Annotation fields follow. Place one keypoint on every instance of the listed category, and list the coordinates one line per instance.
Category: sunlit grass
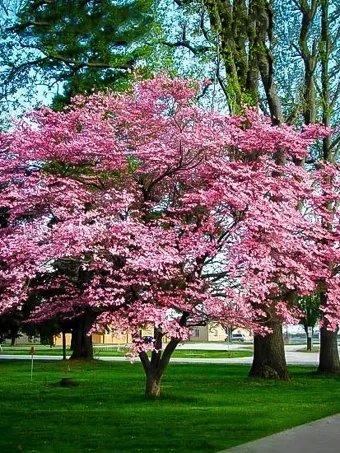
(204, 408)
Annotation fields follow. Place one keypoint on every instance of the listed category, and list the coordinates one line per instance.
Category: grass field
(204, 408)
(112, 352)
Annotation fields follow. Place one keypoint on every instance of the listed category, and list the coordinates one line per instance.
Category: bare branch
(187, 45)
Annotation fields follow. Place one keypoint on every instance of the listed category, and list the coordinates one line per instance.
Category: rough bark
(269, 360)
(82, 343)
(265, 61)
(325, 54)
(309, 57)
(329, 355)
(235, 26)
(153, 385)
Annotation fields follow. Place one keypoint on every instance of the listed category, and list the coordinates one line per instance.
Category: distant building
(215, 332)
(106, 338)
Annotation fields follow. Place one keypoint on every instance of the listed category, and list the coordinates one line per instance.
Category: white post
(32, 351)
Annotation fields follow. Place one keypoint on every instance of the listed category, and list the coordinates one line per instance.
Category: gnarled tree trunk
(269, 360)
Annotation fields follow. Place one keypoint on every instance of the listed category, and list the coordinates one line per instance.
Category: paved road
(293, 356)
(292, 360)
(322, 436)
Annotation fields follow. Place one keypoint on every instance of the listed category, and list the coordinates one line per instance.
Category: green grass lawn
(204, 408)
(110, 352)
(211, 354)
(187, 353)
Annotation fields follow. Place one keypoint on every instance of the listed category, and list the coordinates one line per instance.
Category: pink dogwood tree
(144, 209)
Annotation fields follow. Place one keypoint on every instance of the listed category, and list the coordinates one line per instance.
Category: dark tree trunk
(73, 338)
(64, 345)
(153, 384)
(309, 344)
(155, 366)
(82, 343)
(269, 355)
(309, 335)
(14, 334)
(329, 355)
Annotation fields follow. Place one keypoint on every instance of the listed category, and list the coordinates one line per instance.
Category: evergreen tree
(84, 45)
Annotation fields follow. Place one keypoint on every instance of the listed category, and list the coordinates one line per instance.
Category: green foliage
(133, 164)
(310, 306)
(84, 45)
(79, 170)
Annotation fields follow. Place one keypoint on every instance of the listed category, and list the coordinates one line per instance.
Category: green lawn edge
(184, 353)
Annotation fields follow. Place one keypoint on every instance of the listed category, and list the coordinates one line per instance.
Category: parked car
(147, 339)
(240, 337)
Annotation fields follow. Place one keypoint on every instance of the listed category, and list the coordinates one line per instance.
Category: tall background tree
(78, 46)
(283, 55)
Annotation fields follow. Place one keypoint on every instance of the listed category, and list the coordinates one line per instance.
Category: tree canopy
(143, 208)
(82, 45)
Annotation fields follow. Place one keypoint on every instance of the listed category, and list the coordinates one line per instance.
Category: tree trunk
(269, 355)
(82, 343)
(329, 355)
(153, 385)
(64, 345)
(155, 366)
(309, 335)
(73, 339)
(14, 334)
(309, 343)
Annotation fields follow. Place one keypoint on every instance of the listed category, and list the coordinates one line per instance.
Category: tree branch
(187, 45)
